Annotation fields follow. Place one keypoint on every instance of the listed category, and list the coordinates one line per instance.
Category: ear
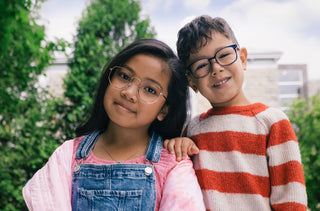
(243, 58)
(192, 85)
(163, 113)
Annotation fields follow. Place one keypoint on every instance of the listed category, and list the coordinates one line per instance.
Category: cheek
(106, 98)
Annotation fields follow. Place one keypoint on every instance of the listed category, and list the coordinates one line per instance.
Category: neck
(119, 144)
(124, 136)
(238, 100)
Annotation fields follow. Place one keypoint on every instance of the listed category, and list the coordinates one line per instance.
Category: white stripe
(291, 192)
(232, 162)
(259, 124)
(283, 153)
(271, 116)
(215, 200)
(231, 122)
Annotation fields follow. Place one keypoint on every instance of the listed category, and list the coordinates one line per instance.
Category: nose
(130, 91)
(215, 67)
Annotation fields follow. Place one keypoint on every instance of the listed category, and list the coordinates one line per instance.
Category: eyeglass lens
(121, 77)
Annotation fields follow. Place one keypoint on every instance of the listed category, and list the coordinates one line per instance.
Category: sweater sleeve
(288, 191)
(50, 187)
(181, 190)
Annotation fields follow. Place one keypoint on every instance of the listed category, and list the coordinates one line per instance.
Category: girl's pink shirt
(50, 188)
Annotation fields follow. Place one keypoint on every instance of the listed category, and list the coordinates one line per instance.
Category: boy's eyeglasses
(148, 91)
(224, 57)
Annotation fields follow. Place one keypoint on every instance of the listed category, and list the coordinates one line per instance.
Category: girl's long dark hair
(177, 99)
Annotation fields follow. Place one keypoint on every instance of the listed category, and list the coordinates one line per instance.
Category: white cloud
(196, 4)
(149, 6)
(281, 26)
(60, 19)
(187, 20)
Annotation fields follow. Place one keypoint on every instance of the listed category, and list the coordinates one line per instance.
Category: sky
(291, 27)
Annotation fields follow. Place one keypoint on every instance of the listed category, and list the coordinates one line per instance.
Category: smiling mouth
(221, 82)
(125, 108)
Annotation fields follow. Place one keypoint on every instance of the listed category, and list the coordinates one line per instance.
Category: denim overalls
(119, 186)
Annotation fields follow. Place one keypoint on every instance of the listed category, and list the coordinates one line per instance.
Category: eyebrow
(202, 57)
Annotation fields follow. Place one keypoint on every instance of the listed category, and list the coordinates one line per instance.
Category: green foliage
(31, 123)
(27, 130)
(105, 28)
(306, 118)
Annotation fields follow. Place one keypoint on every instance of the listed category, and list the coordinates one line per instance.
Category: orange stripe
(233, 182)
(281, 132)
(231, 141)
(289, 206)
(288, 172)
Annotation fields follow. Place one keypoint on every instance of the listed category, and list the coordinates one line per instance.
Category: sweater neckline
(251, 108)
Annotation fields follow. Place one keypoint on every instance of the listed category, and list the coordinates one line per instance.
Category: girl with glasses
(117, 161)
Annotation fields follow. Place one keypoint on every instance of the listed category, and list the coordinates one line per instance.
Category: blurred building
(293, 83)
(53, 77)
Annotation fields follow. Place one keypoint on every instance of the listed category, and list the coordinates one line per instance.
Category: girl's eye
(150, 90)
(124, 76)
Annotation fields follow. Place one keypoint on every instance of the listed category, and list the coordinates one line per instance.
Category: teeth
(222, 82)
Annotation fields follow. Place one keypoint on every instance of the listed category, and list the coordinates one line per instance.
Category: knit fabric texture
(249, 159)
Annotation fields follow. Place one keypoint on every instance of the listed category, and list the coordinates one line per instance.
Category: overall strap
(87, 144)
(153, 153)
(154, 150)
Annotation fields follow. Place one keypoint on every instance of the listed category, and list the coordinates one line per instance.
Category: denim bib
(119, 186)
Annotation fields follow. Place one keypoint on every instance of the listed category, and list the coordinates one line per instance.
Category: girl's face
(223, 85)
(124, 106)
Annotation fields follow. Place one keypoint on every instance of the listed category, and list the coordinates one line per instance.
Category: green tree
(105, 28)
(25, 110)
(305, 116)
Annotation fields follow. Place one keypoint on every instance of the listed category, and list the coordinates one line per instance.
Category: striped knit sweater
(249, 159)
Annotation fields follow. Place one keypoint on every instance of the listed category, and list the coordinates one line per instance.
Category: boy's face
(223, 85)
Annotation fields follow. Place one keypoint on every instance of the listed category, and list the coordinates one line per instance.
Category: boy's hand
(181, 146)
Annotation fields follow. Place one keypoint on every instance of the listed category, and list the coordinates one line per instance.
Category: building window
(291, 84)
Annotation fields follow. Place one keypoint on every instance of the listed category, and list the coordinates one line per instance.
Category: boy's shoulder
(271, 114)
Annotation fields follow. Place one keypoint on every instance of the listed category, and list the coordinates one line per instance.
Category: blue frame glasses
(224, 57)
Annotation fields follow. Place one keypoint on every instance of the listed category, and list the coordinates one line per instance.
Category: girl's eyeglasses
(148, 91)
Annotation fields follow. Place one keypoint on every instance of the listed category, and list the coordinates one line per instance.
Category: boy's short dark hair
(195, 35)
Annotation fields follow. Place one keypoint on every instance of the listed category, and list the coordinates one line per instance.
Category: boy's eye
(222, 56)
(200, 65)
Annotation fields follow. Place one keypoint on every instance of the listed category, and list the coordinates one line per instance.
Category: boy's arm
(288, 191)
(181, 146)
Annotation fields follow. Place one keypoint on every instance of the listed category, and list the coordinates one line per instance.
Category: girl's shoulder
(66, 148)
(167, 158)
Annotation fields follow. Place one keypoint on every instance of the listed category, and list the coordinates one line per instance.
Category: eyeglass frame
(130, 83)
(234, 46)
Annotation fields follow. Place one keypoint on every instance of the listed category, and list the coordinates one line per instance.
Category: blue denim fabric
(118, 186)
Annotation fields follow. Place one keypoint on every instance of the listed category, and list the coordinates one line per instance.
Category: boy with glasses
(248, 156)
